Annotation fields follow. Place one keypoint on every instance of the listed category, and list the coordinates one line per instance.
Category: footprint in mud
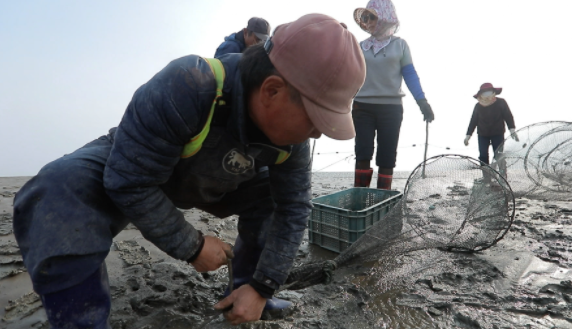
(132, 253)
(11, 262)
(5, 224)
(22, 307)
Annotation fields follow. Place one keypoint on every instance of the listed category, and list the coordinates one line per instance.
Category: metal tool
(229, 257)
(215, 313)
(426, 144)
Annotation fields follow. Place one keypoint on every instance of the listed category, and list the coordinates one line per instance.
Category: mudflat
(524, 281)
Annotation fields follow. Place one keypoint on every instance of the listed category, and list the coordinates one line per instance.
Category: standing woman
(378, 104)
(490, 115)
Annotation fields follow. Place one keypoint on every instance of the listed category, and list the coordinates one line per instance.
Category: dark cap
(260, 27)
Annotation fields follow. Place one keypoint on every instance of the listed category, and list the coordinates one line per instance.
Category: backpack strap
(195, 144)
(282, 156)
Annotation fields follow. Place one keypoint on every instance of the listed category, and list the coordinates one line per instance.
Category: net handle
(426, 144)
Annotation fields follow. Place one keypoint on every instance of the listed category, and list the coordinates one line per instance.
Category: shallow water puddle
(540, 273)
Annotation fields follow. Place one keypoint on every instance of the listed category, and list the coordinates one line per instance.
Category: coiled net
(539, 165)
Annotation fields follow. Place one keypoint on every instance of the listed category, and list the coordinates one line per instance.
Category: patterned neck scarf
(387, 25)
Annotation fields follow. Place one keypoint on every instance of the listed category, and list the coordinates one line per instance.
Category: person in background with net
(378, 105)
(489, 117)
(255, 32)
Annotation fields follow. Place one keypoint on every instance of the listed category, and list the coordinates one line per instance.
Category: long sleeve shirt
(385, 73)
(490, 120)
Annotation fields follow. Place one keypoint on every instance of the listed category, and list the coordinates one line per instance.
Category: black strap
(222, 112)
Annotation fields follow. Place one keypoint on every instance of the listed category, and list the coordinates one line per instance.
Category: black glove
(426, 110)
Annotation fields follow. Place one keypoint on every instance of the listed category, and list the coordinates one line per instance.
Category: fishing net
(449, 202)
(539, 164)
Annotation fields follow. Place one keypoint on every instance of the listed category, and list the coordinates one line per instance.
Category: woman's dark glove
(426, 110)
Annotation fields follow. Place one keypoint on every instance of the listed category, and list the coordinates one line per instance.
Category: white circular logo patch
(237, 163)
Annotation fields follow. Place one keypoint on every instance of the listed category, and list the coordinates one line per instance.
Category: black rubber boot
(83, 306)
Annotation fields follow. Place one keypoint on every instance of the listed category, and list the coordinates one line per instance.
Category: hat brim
(261, 36)
(333, 124)
(496, 90)
(357, 17)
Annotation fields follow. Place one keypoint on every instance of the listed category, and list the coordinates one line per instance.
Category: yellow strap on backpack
(195, 144)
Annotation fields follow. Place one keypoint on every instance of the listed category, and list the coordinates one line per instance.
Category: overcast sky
(68, 69)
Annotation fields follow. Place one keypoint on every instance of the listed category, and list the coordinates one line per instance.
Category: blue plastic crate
(340, 218)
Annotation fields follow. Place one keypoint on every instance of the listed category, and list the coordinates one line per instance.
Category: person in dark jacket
(256, 31)
(177, 148)
(489, 117)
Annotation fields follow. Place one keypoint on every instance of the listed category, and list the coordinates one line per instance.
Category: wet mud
(525, 281)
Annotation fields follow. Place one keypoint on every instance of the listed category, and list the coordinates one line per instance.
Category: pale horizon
(68, 69)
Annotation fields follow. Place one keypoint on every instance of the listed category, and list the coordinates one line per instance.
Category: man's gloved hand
(212, 256)
(513, 135)
(467, 140)
(426, 110)
(247, 305)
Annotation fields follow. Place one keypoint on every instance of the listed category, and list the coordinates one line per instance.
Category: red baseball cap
(319, 57)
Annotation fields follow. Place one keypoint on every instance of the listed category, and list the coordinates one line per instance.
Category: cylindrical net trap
(539, 165)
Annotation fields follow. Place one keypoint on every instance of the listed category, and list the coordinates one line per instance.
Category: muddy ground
(525, 281)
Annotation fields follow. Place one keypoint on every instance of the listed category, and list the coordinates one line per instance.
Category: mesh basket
(339, 219)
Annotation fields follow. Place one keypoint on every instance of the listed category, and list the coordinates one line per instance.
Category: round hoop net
(453, 202)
